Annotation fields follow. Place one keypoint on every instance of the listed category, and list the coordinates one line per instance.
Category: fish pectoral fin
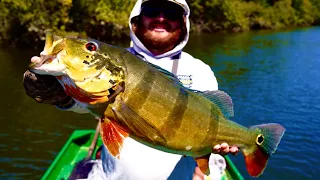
(221, 99)
(137, 125)
(112, 136)
(203, 163)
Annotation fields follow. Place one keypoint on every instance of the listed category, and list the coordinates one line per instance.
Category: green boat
(78, 146)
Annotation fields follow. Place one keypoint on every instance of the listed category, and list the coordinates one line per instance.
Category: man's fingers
(234, 150)
(224, 148)
(216, 148)
(35, 59)
(198, 175)
(221, 149)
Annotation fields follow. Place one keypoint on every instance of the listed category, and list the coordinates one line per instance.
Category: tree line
(24, 22)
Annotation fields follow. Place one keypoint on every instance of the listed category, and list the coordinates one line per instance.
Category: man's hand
(222, 149)
(45, 89)
(198, 175)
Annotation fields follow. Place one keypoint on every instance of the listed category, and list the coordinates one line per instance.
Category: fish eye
(91, 46)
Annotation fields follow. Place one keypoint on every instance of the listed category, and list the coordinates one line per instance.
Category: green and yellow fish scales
(143, 101)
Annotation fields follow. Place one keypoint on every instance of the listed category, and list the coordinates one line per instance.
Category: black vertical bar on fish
(175, 117)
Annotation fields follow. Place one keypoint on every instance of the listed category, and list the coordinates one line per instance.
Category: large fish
(149, 104)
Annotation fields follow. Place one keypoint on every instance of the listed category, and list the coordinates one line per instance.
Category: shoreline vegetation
(24, 22)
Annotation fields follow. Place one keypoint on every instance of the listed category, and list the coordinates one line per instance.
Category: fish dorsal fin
(112, 136)
(139, 127)
(221, 99)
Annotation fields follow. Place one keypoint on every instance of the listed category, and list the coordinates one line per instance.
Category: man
(159, 32)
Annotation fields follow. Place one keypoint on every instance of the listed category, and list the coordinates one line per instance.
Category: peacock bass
(138, 99)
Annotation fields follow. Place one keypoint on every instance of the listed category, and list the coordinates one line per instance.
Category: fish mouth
(44, 59)
(49, 61)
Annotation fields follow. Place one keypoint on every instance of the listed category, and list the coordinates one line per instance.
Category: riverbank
(23, 22)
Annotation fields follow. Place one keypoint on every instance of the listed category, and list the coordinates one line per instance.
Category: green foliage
(217, 15)
(28, 19)
(242, 15)
(102, 19)
(25, 21)
(316, 11)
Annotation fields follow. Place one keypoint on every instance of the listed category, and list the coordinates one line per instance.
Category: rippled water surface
(271, 77)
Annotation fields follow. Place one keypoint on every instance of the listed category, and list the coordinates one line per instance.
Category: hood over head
(137, 44)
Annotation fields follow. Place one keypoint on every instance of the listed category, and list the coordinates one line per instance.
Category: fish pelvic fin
(267, 141)
(112, 136)
(203, 163)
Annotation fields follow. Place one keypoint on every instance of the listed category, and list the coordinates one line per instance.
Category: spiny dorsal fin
(221, 99)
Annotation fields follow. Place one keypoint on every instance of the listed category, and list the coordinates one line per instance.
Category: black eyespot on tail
(260, 139)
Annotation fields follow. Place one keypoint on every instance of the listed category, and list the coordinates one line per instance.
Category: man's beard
(151, 41)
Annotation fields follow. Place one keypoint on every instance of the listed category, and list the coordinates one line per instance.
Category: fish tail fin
(268, 138)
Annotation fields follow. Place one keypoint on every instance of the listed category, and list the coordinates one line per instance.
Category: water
(271, 77)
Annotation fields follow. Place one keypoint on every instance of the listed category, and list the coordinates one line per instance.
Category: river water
(271, 77)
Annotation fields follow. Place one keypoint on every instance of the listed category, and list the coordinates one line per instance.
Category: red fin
(112, 136)
(83, 97)
(256, 161)
(203, 164)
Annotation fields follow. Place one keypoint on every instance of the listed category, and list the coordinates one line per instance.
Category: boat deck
(76, 149)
